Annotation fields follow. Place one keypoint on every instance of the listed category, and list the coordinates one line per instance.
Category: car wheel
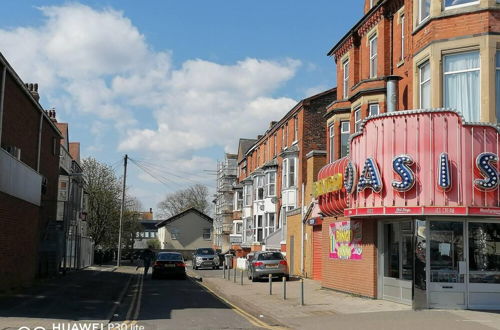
(194, 267)
(287, 277)
(253, 278)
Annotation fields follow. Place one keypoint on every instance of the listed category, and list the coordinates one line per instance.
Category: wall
(190, 236)
(294, 224)
(352, 276)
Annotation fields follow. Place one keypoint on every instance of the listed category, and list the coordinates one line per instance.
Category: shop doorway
(396, 261)
(464, 258)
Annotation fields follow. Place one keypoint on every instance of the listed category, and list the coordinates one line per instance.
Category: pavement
(327, 309)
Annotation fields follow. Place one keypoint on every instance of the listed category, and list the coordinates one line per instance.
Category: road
(178, 304)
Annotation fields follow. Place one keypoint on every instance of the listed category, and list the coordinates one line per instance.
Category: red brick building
(29, 169)
(440, 57)
(272, 173)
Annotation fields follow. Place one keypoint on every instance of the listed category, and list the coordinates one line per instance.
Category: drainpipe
(392, 92)
(39, 142)
(2, 94)
(302, 233)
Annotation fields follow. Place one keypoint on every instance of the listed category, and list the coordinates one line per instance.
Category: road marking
(252, 319)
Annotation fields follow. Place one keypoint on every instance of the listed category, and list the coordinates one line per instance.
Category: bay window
(270, 224)
(331, 138)
(238, 200)
(258, 228)
(425, 85)
(357, 119)
(373, 109)
(461, 84)
(259, 187)
(271, 183)
(247, 195)
(289, 173)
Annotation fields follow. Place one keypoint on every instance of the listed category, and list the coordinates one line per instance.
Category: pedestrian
(147, 257)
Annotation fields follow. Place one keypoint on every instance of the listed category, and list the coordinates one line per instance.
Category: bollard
(224, 269)
(270, 284)
(228, 273)
(241, 278)
(234, 275)
(302, 292)
(284, 288)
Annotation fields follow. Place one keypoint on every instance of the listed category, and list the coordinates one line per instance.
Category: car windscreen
(169, 257)
(205, 251)
(270, 256)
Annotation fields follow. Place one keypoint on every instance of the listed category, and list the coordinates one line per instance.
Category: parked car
(205, 257)
(265, 263)
(169, 264)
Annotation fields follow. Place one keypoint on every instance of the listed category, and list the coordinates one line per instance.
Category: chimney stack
(392, 92)
(271, 124)
(52, 114)
(150, 210)
(33, 89)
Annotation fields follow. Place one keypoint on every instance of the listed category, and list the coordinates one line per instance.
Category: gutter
(2, 98)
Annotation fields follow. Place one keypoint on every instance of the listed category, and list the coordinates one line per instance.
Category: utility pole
(125, 159)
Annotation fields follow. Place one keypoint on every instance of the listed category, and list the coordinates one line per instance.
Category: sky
(172, 84)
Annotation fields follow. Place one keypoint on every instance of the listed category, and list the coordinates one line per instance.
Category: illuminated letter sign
(484, 164)
(401, 165)
(350, 178)
(444, 177)
(370, 177)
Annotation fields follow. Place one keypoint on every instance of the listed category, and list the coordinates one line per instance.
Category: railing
(19, 180)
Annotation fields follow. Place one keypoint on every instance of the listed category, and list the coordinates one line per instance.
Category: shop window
(448, 4)
(425, 85)
(484, 252)
(446, 251)
(373, 57)
(271, 183)
(331, 142)
(498, 85)
(373, 109)
(357, 119)
(346, 79)
(424, 10)
(344, 138)
(461, 84)
(398, 250)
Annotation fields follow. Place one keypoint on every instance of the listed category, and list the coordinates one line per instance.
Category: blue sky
(173, 84)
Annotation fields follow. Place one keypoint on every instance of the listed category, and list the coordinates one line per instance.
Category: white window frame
(460, 5)
(373, 106)
(275, 144)
(284, 173)
(422, 83)
(283, 144)
(402, 18)
(238, 227)
(238, 202)
(373, 56)
(258, 228)
(345, 67)
(420, 7)
(345, 128)
(357, 119)
(331, 141)
(270, 228)
(247, 195)
(259, 187)
(286, 136)
(288, 175)
(270, 184)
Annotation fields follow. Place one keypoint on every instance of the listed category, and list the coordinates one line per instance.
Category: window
(331, 141)
(174, 233)
(425, 85)
(344, 137)
(258, 229)
(373, 57)
(286, 135)
(289, 172)
(270, 224)
(271, 183)
(402, 37)
(248, 194)
(373, 109)
(283, 143)
(424, 10)
(238, 200)
(461, 84)
(275, 144)
(238, 227)
(295, 128)
(458, 3)
(259, 187)
(357, 119)
(207, 234)
(498, 86)
(346, 79)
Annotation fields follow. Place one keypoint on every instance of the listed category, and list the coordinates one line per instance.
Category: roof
(63, 127)
(149, 224)
(183, 213)
(244, 146)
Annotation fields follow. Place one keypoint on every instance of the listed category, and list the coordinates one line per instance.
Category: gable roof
(179, 215)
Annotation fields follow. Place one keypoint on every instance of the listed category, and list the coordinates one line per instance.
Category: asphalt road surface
(177, 304)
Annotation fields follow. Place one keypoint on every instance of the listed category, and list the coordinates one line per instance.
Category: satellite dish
(261, 207)
(274, 200)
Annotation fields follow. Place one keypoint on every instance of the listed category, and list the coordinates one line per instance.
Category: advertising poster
(346, 240)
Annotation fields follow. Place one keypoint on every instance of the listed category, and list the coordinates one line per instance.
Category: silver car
(264, 263)
(205, 257)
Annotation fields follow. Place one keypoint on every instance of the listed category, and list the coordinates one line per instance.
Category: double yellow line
(135, 306)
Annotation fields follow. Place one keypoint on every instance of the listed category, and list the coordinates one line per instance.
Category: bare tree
(195, 196)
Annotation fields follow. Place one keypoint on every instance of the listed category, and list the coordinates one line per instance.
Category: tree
(154, 243)
(195, 196)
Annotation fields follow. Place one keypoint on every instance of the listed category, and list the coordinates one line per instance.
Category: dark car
(169, 264)
(205, 257)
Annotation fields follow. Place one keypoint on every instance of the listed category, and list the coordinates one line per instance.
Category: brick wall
(352, 276)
